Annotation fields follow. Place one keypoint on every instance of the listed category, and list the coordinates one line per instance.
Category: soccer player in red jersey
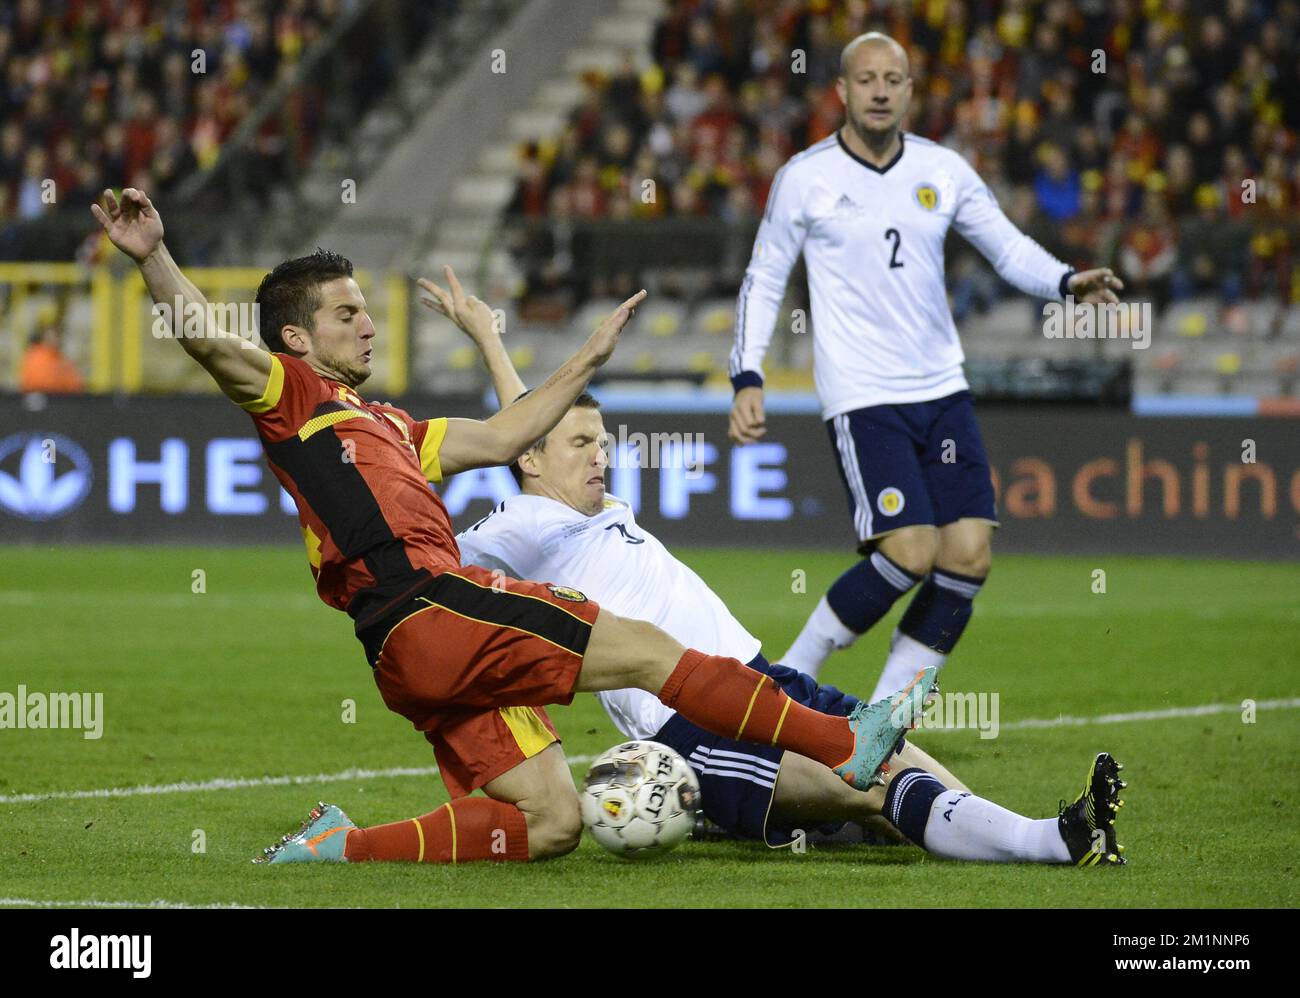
(468, 657)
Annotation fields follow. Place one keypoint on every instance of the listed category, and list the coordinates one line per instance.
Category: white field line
(157, 904)
(23, 597)
(348, 775)
(1281, 612)
(222, 783)
(1066, 721)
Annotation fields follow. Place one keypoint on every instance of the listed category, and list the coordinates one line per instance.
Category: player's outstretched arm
(472, 443)
(1019, 260)
(133, 225)
(485, 335)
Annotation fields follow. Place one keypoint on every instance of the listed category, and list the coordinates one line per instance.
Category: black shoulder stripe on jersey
(339, 494)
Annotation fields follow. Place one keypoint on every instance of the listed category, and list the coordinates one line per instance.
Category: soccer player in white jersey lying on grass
(567, 529)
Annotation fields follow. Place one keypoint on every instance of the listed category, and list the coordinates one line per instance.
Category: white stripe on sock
(891, 573)
(897, 794)
(959, 586)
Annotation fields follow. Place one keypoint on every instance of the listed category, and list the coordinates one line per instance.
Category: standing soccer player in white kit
(869, 208)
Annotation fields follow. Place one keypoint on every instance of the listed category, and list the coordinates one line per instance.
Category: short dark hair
(290, 294)
(584, 401)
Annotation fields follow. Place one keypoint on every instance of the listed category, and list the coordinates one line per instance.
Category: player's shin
(906, 657)
(958, 825)
(854, 602)
(461, 831)
(929, 628)
(823, 633)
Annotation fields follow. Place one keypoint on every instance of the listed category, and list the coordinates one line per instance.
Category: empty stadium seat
(662, 318)
(1193, 318)
(714, 317)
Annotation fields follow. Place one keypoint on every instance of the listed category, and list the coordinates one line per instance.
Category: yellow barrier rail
(111, 314)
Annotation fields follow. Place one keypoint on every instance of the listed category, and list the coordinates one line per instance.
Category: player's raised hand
(472, 315)
(1096, 286)
(605, 338)
(133, 225)
(748, 423)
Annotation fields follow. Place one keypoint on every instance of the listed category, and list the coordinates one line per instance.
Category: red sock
(732, 700)
(458, 832)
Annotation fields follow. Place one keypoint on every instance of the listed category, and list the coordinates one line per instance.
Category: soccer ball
(639, 799)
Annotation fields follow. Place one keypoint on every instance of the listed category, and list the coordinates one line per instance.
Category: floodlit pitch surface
(224, 721)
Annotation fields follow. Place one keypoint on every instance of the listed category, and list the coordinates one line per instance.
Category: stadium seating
(711, 103)
(704, 99)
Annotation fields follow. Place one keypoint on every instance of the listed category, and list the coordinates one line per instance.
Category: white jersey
(872, 239)
(619, 565)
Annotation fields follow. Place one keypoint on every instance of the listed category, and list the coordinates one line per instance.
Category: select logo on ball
(890, 502)
(640, 799)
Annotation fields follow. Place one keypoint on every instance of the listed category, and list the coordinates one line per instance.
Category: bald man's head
(874, 38)
(875, 85)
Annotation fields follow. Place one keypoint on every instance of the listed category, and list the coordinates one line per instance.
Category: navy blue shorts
(918, 464)
(737, 779)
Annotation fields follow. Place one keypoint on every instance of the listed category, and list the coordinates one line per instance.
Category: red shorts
(472, 659)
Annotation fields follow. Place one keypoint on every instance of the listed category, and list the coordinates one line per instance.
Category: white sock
(963, 826)
(907, 657)
(822, 634)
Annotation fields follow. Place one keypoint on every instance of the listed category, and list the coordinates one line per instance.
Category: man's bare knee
(554, 828)
(966, 547)
(913, 549)
(972, 559)
(541, 787)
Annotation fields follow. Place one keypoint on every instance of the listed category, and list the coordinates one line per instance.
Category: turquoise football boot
(321, 838)
(879, 728)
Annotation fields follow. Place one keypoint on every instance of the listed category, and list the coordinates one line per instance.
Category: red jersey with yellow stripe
(359, 473)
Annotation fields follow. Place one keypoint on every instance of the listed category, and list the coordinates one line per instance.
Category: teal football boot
(321, 838)
(878, 730)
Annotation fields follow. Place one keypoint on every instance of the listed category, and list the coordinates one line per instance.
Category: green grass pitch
(247, 681)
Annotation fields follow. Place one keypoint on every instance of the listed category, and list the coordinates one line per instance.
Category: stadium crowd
(1158, 137)
(99, 93)
(144, 93)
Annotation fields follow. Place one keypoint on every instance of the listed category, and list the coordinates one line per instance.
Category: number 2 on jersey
(894, 261)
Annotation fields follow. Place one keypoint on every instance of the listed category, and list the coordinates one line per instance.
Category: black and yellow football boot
(1088, 825)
